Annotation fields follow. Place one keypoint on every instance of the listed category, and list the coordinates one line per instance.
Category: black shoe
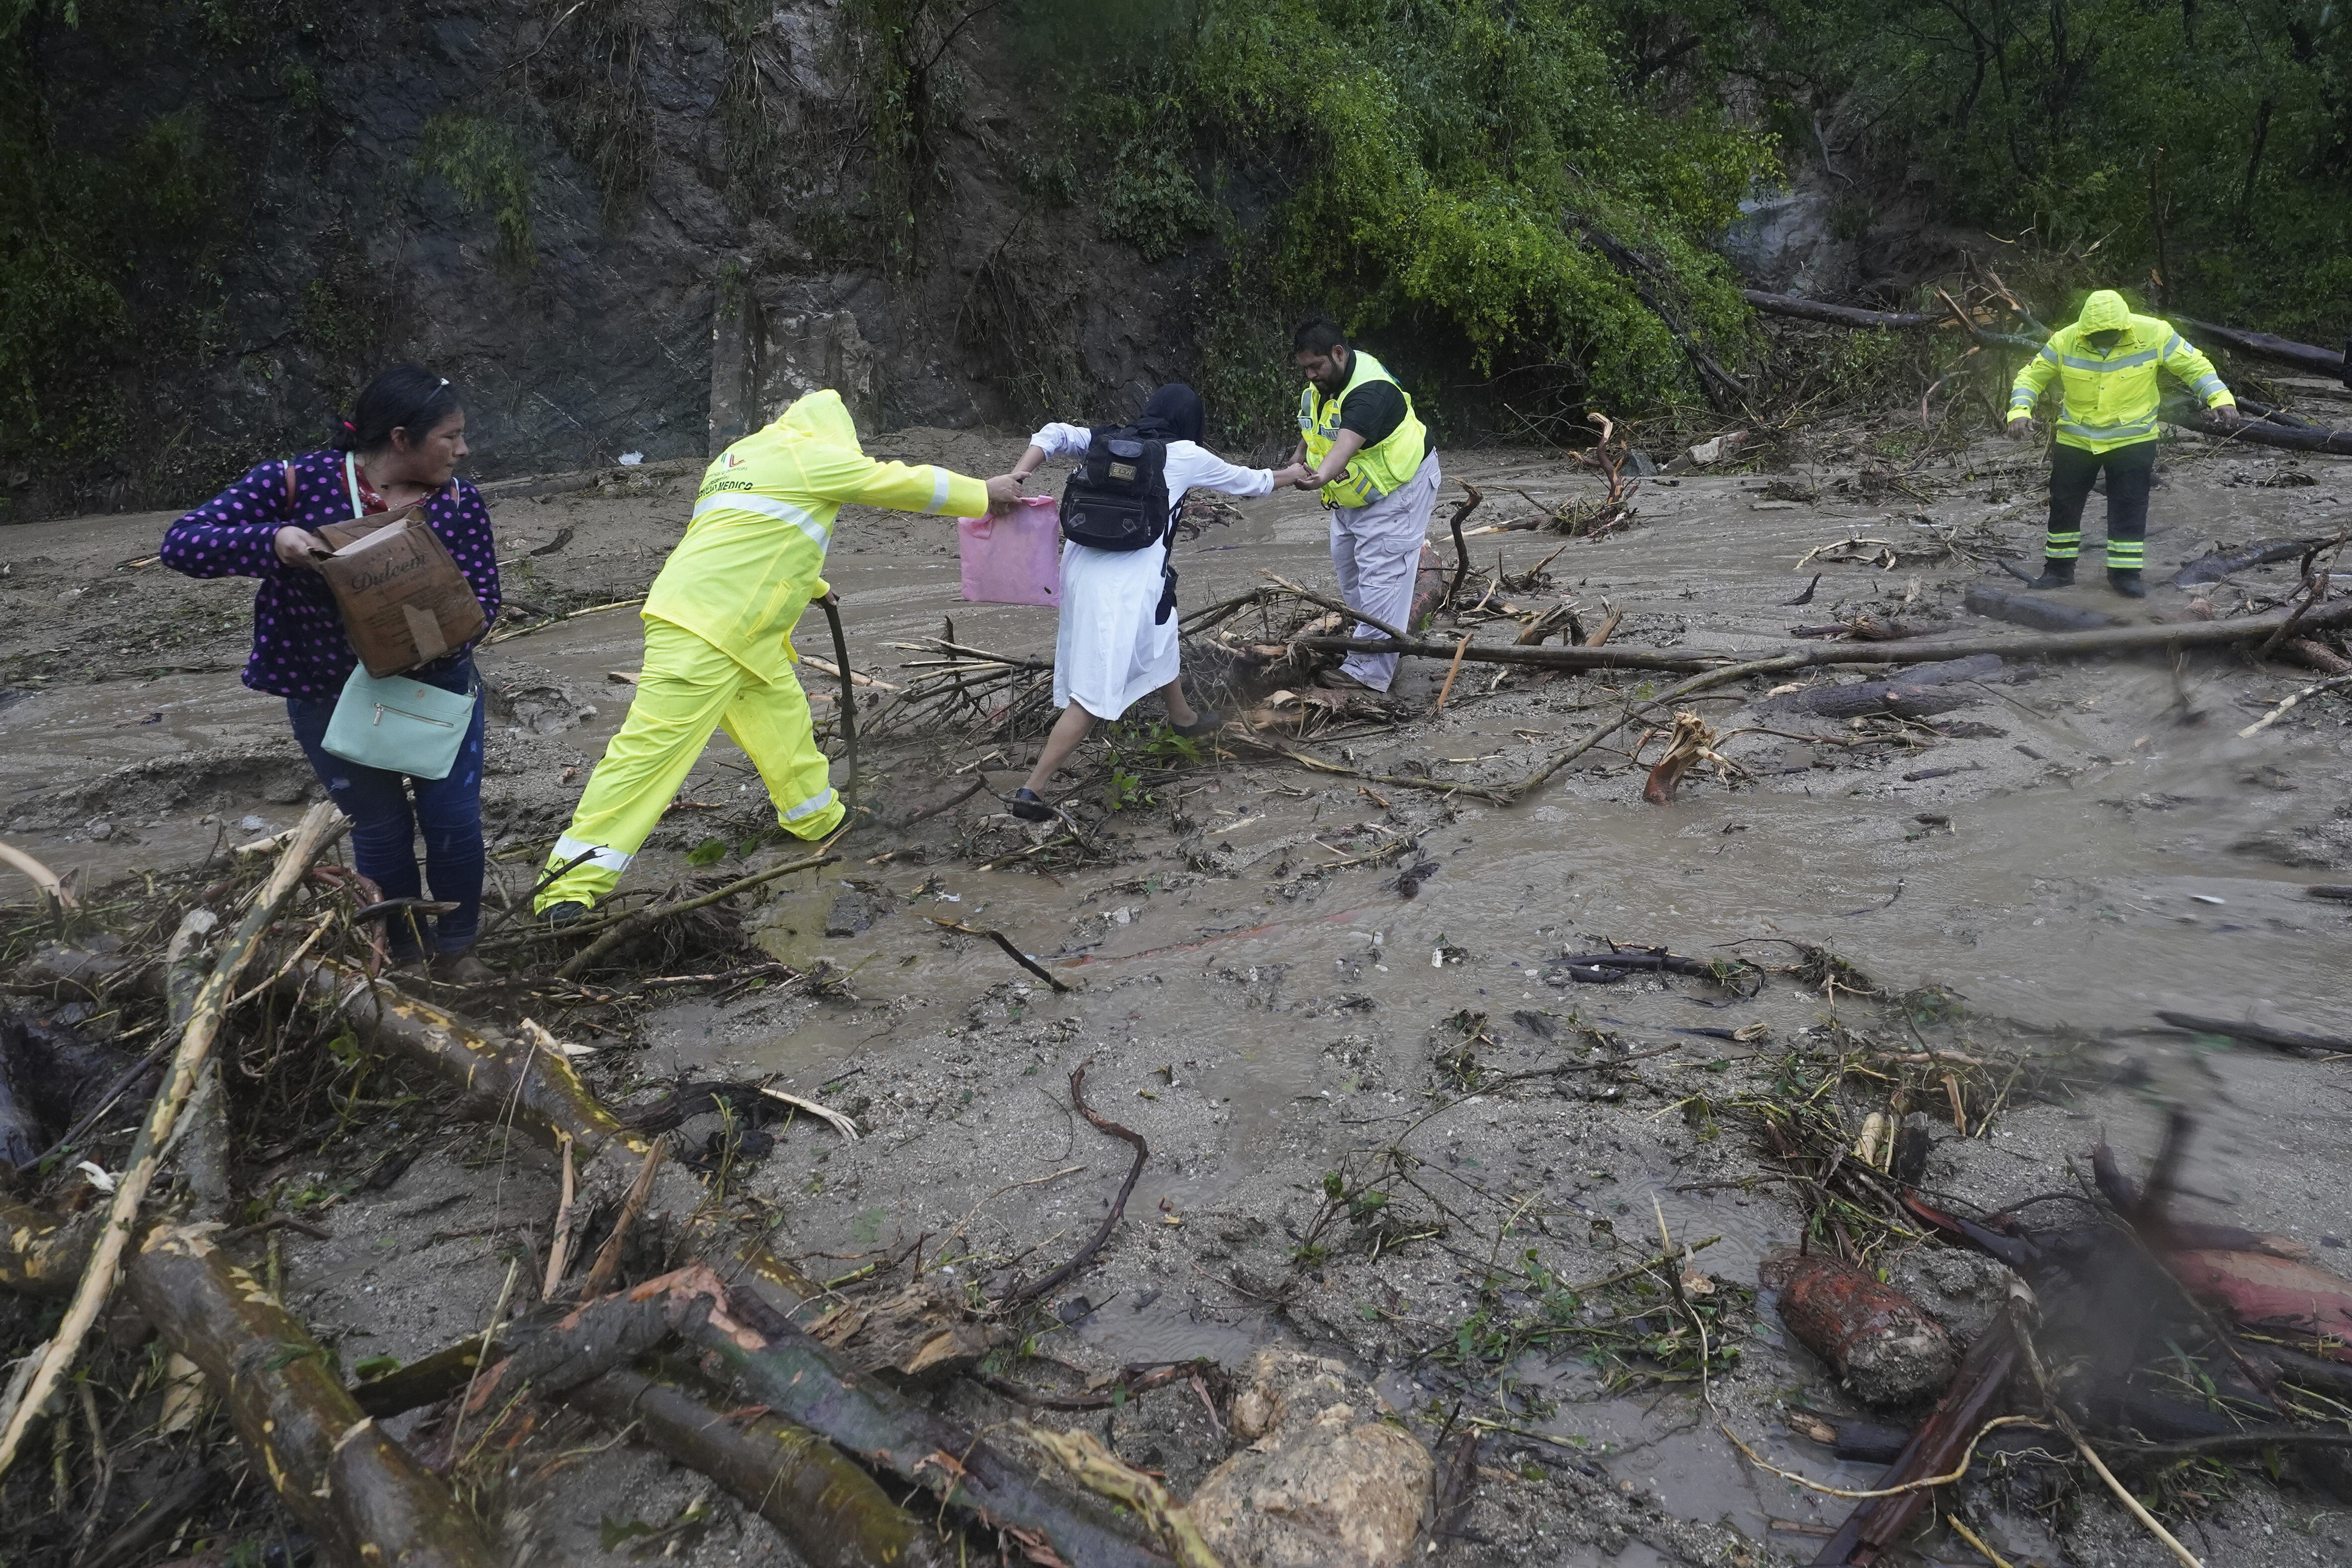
(1207, 721)
(2126, 581)
(2055, 574)
(1025, 805)
(559, 916)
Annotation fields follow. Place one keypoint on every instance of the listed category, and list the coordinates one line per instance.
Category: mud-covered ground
(1256, 993)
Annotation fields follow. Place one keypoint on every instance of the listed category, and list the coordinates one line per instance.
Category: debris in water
(1887, 1350)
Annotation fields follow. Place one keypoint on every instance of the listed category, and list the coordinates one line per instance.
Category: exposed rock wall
(619, 225)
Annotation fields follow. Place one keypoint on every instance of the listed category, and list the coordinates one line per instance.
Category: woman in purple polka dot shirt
(399, 449)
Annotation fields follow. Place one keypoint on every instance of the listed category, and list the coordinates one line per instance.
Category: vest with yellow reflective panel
(2110, 398)
(1377, 468)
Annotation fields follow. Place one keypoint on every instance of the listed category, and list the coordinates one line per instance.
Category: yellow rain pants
(688, 689)
(719, 633)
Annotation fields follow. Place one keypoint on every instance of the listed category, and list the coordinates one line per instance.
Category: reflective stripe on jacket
(754, 554)
(2109, 400)
(1376, 469)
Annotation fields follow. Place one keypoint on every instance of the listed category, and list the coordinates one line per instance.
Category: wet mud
(2090, 842)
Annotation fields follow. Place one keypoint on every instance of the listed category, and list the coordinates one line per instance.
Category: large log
(796, 1378)
(2125, 639)
(44, 1254)
(353, 1488)
(2032, 609)
(496, 1078)
(319, 827)
(2261, 433)
(2214, 568)
(2267, 346)
(1911, 695)
(536, 1089)
(832, 1512)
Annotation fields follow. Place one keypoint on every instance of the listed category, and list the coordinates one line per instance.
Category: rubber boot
(2125, 582)
(2055, 574)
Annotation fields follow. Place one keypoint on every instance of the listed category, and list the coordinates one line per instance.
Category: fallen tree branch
(2268, 346)
(831, 605)
(637, 920)
(2287, 704)
(779, 1365)
(831, 1512)
(1011, 950)
(1461, 546)
(2100, 640)
(319, 826)
(1053, 1281)
(2257, 1034)
(40, 875)
(353, 1488)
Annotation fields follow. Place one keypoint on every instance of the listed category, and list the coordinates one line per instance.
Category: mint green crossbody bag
(400, 724)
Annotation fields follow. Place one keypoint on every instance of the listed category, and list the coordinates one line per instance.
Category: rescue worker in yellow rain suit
(2106, 366)
(719, 630)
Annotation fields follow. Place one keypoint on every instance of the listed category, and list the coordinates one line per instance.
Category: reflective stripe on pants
(1376, 554)
(2131, 474)
(687, 690)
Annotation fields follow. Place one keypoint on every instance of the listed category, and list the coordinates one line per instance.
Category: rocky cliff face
(621, 225)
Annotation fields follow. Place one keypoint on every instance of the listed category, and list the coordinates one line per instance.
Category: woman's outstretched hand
(1003, 494)
(299, 547)
(1294, 477)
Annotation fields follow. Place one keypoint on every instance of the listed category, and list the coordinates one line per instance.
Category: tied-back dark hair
(405, 397)
(1317, 334)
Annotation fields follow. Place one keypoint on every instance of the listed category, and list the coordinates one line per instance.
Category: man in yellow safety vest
(718, 637)
(2105, 365)
(1371, 459)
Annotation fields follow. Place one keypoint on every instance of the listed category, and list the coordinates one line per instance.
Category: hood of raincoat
(2105, 311)
(822, 417)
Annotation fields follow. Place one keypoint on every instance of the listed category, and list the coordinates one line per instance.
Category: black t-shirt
(1373, 411)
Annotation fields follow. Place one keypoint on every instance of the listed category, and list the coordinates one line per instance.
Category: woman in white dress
(1117, 640)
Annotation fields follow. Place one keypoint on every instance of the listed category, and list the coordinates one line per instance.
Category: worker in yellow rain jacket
(719, 629)
(2106, 366)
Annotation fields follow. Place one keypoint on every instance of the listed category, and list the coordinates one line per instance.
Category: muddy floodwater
(1261, 1001)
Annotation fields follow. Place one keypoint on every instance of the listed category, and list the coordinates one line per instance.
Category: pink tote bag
(1015, 558)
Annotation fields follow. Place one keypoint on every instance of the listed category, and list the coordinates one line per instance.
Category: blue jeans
(384, 827)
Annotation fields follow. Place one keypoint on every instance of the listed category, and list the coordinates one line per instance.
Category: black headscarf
(1173, 413)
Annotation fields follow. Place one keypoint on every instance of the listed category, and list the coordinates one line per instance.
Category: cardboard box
(404, 602)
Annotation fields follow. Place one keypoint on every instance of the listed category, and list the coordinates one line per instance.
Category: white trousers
(1376, 552)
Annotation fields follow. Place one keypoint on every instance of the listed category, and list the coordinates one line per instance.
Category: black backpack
(1118, 499)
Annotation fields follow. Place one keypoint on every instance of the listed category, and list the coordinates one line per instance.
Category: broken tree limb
(319, 826)
(496, 1077)
(2268, 346)
(1053, 1281)
(1910, 695)
(832, 1512)
(536, 1090)
(1842, 315)
(1543, 771)
(2123, 639)
(44, 1254)
(2257, 1034)
(780, 1366)
(637, 920)
(2221, 563)
(353, 1488)
(2256, 433)
(1011, 950)
(40, 875)
(2031, 609)
(1874, 1529)
(1461, 546)
(1341, 606)
(831, 604)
